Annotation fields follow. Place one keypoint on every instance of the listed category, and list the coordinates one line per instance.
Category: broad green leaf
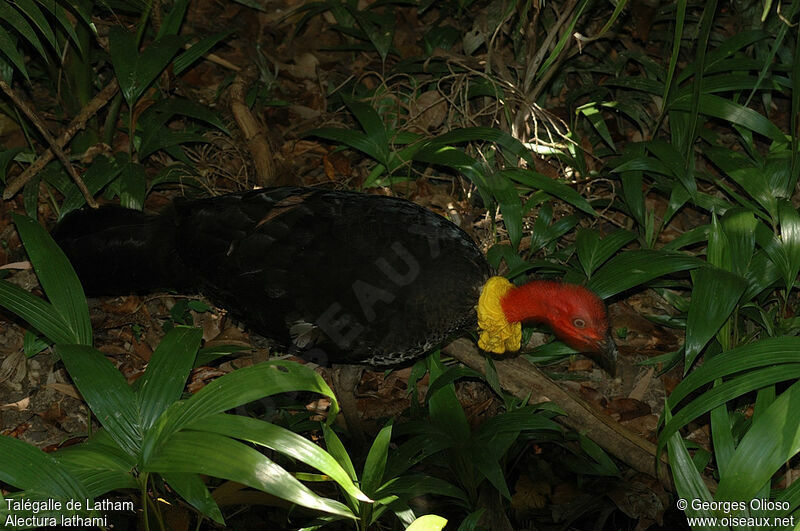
(191, 488)
(164, 110)
(282, 441)
(739, 225)
(794, 163)
(6, 157)
(470, 523)
(750, 177)
(337, 450)
(544, 233)
(603, 464)
(28, 468)
(774, 358)
(675, 164)
(722, 437)
(197, 50)
(688, 482)
(371, 122)
(354, 139)
(449, 376)
(124, 51)
(595, 117)
(171, 22)
(166, 139)
(106, 392)
(136, 71)
(677, 198)
(17, 21)
(413, 485)
(38, 313)
(132, 186)
(58, 279)
(516, 421)
(720, 57)
(537, 181)
(775, 249)
(208, 354)
(488, 463)
(154, 60)
(235, 389)
(632, 182)
(791, 494)
(87, 453)
(677, 39)
(415, 450)
(790, 239)
(688, 238)
(379, 28)
(646, 164)
(724, 109)
(101, 172)
(485, 134)
(510, 206)
(375, 465)
(593, 252)
(33, 344)
(517, 265)
(684, 137)
(452, 157)
(633, 268)
(8, 47)
(770, 351)
(429, 522)
(715, 294)
(32, 11)
(65, 20)
(165, 377)
(101, 468)
(444, 408)
(566, 35)
(190, 452)
(772, 441)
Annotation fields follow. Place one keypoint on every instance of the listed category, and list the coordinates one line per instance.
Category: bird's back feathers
(376, 279)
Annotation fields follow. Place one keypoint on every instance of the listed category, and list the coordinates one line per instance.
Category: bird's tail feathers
(118, 251)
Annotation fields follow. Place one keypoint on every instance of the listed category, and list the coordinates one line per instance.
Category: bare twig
(55, 148)
(536, 57)
(78, 123)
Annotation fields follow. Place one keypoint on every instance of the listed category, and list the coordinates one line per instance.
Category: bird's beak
(607, 354)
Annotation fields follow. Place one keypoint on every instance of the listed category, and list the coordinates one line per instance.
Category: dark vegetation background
(645, 149)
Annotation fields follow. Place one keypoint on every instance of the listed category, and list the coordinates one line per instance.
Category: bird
(352, 278)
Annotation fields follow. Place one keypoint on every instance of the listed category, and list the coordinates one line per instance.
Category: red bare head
(576, 315)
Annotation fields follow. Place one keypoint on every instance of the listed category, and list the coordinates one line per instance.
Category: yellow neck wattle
(497, 334)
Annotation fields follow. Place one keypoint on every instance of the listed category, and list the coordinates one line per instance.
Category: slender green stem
(140, 27)
(143, 482)
(110, 124)
(131, 131)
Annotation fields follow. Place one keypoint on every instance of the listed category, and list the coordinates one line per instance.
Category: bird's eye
(579, 323)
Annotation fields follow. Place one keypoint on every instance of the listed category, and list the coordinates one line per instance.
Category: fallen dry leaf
(639, 391)
(65, 389)
(20, 405)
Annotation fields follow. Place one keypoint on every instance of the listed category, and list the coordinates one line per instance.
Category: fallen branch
(522, 379)
(252, 130)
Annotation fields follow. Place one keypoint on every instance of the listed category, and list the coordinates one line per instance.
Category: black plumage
(360, 278)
